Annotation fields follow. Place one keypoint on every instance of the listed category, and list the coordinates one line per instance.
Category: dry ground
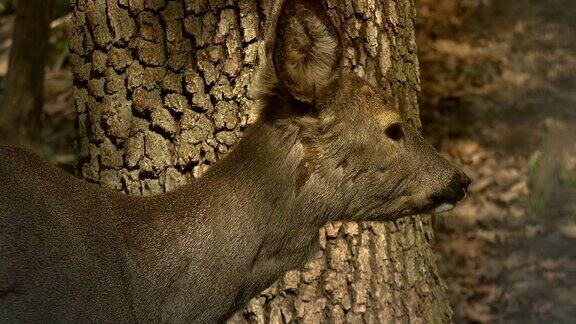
(499, 97)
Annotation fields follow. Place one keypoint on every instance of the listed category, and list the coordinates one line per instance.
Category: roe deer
(326, 147)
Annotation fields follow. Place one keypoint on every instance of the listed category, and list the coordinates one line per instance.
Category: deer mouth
(433, 207)
(442, 208)
(446, 201)
(437, 204)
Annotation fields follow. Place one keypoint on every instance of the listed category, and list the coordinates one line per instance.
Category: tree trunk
(21, 105)
(162, 92)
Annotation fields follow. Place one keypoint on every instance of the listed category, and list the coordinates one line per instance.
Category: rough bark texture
(162, 92)
(22, 103)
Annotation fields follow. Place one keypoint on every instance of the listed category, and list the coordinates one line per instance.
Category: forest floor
(498, 98)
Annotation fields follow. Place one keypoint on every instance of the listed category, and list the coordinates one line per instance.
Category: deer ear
(307, 52)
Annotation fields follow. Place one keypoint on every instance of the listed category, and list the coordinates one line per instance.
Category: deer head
(357, 147)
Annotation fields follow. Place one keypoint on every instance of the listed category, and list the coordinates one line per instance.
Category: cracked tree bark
(161, 89)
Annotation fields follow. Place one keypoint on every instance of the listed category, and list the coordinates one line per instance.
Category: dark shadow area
(54, 133)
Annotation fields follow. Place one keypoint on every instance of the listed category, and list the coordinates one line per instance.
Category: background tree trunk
(161, 89)
(21, 105)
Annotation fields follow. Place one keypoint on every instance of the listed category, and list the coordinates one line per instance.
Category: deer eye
(395, 132)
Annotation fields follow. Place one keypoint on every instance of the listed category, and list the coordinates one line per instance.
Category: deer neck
(248, 213)
(285, 204)
(267, 168)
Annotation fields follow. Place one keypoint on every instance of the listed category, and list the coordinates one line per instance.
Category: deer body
(326, 147)
(190, 255)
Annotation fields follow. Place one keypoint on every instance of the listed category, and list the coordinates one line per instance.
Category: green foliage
(61, 45)
(45, 151)
(549, 179)
(533, 163)
(61, 3)
(567, 178)
(6, 7)
(537, 202)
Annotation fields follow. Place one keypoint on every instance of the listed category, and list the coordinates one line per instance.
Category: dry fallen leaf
(568, 230)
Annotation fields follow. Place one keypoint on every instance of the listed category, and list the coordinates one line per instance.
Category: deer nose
(455, 191)
(459, 185)
(464, 182)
